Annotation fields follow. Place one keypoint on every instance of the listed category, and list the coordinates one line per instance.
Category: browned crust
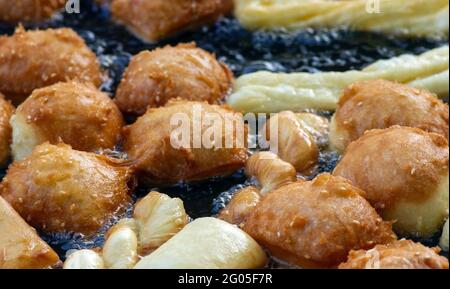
(397, 163)
(157, 19)
(57, 189)
(403, 254)
(184, 71)
(29, 10)
(6, 111)
(315, 224)
(34, 59)
(75, 113)
(148, 145)
(20, 246)
(379, 104)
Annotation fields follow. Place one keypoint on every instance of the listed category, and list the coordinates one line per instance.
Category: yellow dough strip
(274, 92)
(407, 17)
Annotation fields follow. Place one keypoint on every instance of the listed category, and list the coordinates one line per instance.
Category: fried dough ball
(270, 171)
(34, 59)
(57, 189)
(314, 224)
(20, 246)
(402, 254)
(294, 142)
(379, 104)
(404, 172)
(207, 243)
(183, 71)
(28, 10)
(241, 205)
(152, 20)
(74, 113)
(163, 147)
(6, 111)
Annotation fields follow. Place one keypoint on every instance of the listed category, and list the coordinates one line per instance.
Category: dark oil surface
(245, 52)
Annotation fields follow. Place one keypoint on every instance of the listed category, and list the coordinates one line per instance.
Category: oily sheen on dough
(404, 17)
(274, 92)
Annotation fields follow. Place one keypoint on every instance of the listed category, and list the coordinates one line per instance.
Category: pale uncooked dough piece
(274, 92)
(404, 17)
(120, 250)
(84, 259)
(207, 243)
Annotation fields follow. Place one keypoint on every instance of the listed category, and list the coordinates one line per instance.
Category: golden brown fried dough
(270, 171)
(294, 142)
(20, 246)
(34, 59)
(28, 10)
(403, 254)
(381, 104)
(241, 205)
(184, 71)
(153, 20)
(156, 151)
(74, 113)
(404, 172)
(57, 189)
(315, 224)
(6, 111)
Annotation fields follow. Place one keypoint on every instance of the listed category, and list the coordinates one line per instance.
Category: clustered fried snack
(152, 20)
(29, 10)
(381, 104)
(314, 224)
(62, 181)
(35, 59)
(156, 219)
(155, 77)
(402, 170)
(156, 158)
(402, 254)
(6, 111)
(74, 113)
(207, 243)
(58, 189)
(160, 222)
